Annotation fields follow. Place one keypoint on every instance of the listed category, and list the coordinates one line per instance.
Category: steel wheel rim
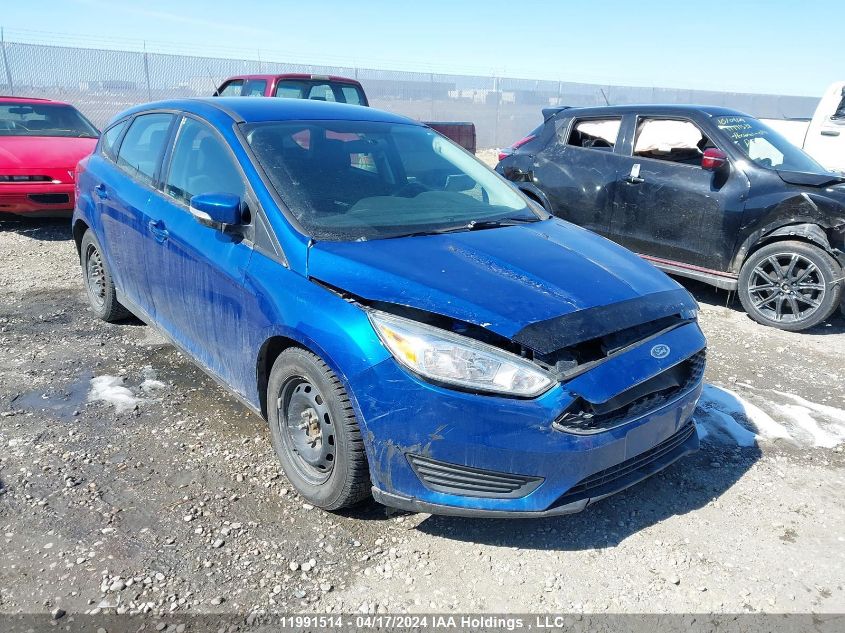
(786, 288)
(306, 428)
(95, 275)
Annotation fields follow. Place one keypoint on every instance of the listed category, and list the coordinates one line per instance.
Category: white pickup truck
(823, 136)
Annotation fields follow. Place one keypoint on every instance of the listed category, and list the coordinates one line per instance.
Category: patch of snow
(151, 384)
(726, 417)
(111, 390)
(715, 420)
(825, 410)
(802, 418)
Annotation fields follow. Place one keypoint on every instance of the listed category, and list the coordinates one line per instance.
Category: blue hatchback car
(410, 326)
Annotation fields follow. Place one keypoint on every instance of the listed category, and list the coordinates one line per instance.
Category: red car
(295, 86)
(41, 141)
(329, 88)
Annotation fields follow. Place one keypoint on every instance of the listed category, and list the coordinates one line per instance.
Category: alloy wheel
(786, 287)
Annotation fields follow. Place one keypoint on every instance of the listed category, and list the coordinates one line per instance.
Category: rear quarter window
(143, 145)
(108, 142)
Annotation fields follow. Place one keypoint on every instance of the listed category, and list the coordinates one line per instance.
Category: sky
(769, 46)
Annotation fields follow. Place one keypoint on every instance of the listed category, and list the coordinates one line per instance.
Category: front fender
(291, 306)
(534, 192)
(805, 216)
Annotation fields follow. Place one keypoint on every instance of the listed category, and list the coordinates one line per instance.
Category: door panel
(675, 210)
(197, 274)
(578, 171)
(122, 196)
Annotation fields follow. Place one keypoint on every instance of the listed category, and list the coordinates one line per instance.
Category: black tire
(790, 285)
(331, 473)
(98, 281)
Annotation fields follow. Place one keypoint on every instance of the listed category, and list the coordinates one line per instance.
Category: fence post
(431, 93)
(147, 74)
(497, 90)
(6, 63)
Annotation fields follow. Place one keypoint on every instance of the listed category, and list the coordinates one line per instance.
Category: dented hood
(534, 282)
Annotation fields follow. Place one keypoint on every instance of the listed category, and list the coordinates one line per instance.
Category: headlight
(450, 358)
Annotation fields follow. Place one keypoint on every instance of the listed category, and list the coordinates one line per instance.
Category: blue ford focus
(408, 324)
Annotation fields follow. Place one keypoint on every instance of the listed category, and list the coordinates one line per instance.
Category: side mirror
(216, 210)
(713, 159)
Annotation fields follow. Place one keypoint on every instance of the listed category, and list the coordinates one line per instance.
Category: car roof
(32, 100)
(647, 108)
(271, 77)
(259, 109)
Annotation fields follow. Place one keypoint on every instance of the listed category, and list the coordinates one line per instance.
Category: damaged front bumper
(437, 450)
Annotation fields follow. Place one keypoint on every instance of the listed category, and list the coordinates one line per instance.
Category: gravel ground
(173, 501)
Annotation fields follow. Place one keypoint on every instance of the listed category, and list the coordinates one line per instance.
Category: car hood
(544, 284)
(810, 179)
(43, 152)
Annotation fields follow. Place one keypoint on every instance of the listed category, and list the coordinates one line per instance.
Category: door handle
(157, 228)
(102, 193)
(830, 132)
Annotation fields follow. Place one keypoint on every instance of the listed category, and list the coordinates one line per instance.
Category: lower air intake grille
(453, 479)
(4, 178)
(590, 486)
(50, 198)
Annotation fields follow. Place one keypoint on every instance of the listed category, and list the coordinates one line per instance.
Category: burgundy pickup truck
(329, 88)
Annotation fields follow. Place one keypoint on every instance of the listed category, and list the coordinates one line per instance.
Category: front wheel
(790, 285)
(314, 431)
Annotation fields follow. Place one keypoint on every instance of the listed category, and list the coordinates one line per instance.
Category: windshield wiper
(477, 225)
(474, 225)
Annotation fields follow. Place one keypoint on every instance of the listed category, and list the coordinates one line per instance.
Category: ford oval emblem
(660, 351)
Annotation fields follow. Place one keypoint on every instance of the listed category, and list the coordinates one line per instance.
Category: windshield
(24, 119)
(764, 146)
(357, 180)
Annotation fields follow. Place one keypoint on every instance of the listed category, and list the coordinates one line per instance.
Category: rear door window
(143, 145)
(201, 163)
(672, 140)
(600, 134)
(231, 88)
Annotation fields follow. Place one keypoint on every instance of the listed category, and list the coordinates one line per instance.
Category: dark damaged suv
(702, 192)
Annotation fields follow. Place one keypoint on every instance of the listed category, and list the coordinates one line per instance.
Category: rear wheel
(98, 281)
(790, 285)
(315, 432)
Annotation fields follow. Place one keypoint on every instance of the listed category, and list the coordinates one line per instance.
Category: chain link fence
(102, 82)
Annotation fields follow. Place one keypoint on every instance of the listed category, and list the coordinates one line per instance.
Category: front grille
(471, 482)
(14, 179)
(49, 198)
(584, 417)
(592, 485)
